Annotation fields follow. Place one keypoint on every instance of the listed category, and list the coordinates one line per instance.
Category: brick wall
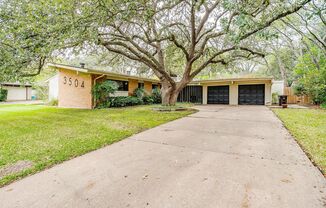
(74, 89)
(148, 87)
(132, 85)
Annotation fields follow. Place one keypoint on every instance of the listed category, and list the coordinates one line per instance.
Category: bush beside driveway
(42, 136)
(309, 128)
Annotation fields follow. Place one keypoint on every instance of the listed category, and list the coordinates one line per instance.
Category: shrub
(148, 99)
(3, 94)
(274, 97)
(102, 91)
(53, 102)
(323, 105)
(156, 95)
(123, 101)
(139, 92)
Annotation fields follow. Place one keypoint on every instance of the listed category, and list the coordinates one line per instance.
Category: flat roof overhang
(212, 81)
(99, 72)
(126, 76)
(15, 85)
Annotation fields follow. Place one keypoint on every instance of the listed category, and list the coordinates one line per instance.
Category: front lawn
(42, 136)
(309, 128)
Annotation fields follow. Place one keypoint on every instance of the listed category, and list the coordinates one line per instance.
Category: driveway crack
(223, 152)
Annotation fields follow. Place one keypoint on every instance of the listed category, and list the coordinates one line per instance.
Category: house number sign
(73, 82)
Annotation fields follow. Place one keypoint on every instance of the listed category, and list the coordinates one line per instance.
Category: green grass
(49, 135)
(309, 128)
(323, 105)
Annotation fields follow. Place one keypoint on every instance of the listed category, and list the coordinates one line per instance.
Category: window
(140, 85)
(154, 86)
(123, 85)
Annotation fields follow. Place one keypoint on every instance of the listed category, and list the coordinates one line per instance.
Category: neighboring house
(74, 86)
(18, 91)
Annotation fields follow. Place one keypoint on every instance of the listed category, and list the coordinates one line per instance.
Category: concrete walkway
(222, 156)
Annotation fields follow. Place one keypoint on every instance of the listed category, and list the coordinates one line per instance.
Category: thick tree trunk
(169, 98)
(169, 94)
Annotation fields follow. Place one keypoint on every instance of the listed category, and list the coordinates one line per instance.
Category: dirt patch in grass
(15, 168)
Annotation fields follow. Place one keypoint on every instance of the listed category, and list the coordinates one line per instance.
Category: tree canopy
(162, 35)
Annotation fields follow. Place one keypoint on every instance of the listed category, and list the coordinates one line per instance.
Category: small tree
(102, 92)
(311, 73)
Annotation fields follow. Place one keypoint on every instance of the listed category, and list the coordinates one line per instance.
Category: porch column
(233, 93)
(204, 94)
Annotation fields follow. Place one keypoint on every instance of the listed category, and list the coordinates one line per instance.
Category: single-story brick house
(75, 84)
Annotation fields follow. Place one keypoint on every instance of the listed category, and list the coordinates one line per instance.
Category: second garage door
(218, 95)
(252, 94)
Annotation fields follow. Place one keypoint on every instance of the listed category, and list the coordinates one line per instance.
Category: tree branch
(277, 17)
(39, 67)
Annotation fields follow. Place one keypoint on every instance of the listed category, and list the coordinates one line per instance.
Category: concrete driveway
(222, 156)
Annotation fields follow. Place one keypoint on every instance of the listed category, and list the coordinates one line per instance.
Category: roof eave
(92, 71)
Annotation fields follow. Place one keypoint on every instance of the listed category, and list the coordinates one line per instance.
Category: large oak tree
(204, 32)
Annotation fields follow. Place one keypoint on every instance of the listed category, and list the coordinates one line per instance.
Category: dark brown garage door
(218, 95)
(252, 94)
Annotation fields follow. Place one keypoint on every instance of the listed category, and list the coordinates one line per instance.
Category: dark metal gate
(192, 94)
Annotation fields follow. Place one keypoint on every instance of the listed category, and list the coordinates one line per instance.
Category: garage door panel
(252, 94)
(218, 95)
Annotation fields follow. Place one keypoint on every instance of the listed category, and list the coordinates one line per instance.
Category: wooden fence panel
(294, 99)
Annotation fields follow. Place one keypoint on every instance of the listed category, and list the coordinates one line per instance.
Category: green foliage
(53, 102)
(123, 101)
(139, 92)
(299, 89)
(3, 94)
(154, 98)
(311, 73)
(274, 97)
(308, 126)
(148, 99)
(323, 105)
(139, 98)
(32, 32)
(156, 94)
(102, 90)
(282, 57)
